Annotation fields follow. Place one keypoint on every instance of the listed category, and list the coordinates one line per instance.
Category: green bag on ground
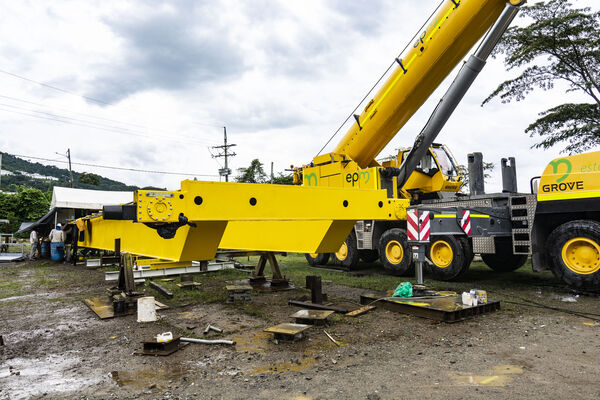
(403, 290)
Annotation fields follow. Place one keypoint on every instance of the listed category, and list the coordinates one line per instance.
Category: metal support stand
(419, 258)
(258, 276)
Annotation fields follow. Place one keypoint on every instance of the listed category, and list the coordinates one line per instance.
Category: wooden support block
(360, 311)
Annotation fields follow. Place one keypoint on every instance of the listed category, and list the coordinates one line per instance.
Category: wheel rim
(313, 255)
(441, 254)
(342, 253)
(394, 252)
(581, 255)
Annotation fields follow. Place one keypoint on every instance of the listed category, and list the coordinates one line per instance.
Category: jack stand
(258, 279)
(419, 258)
(124, 297)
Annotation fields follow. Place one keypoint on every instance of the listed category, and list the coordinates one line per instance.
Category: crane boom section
(446, 40)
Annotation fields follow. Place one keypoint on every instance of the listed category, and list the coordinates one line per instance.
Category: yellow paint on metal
(394, 252)
(444, 215)
(581, 255)
(570, 178)
(242, 217)
(342, 253)
(446, 40)
(441, 254)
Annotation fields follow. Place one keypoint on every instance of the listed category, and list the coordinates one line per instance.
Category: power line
(99, 118)
(111, 167)
(225, 171)
(87, 124)
(104, 103)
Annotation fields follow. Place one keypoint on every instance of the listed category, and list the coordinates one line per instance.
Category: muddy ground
(55, 347)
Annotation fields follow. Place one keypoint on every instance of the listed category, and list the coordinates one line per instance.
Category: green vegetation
(17, 166)
(255, 173)
(88, 178)
(561, 44)
(25, 205)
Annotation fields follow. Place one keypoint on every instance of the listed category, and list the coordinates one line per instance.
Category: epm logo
(561, 186)
(363, 176)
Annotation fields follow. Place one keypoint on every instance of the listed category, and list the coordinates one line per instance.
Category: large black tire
(317, 259)
(450, 257)
(394, 252)
(347, 255)
(573, 250)
(468, 248)
(504, 260)
(368, 256)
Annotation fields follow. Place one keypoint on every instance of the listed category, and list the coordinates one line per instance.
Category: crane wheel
(450, 257)
(368, 256)
(394, 252)
(573, 250)
(315, 259)
(504, 260)
(347, 256)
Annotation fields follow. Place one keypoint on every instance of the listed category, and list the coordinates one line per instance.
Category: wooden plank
(161, 289)
(317, 306)
(360, 311)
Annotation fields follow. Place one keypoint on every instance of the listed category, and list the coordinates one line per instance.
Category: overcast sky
(150, 84)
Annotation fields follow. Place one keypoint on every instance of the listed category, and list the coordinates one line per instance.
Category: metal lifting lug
(168, 230)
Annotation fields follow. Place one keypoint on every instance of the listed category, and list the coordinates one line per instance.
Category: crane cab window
(444, 161)
(427, 165)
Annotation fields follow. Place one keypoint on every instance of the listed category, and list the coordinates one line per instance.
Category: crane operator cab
(436, 172)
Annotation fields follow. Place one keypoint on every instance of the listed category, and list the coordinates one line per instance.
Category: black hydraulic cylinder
(120, 212)
(476, 180)
(509, 175)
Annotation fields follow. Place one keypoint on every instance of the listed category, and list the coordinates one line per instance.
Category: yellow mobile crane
(426, 169)
(340, 188)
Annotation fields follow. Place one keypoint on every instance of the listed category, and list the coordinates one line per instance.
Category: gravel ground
(55, 348)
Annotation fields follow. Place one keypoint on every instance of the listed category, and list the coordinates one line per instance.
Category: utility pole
(271, 172)
(226, 171)
(0, 172)
(68, 155)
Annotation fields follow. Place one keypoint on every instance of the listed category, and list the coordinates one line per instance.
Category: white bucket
(146, 309)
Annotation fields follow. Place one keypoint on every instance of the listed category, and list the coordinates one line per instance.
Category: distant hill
(18, 172)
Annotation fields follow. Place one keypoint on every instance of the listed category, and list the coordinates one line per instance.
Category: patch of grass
(10, 289)
(211, 289)
(255, 311)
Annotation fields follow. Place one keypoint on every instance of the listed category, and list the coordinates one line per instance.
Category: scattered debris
(317, 306)
(152, 347)
(446, 309)
(205, 341)
(161, 289)
(312, 317)
(209, 328)
(569, 299)
(313, 283)
(360, 311)
(1, 341)
(238, 293)
(332, 339)
(146, 310)
(288, 332)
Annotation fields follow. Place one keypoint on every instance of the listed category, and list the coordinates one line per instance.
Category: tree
(25, 205)
(253, 174)
(89, 178)
(283, 179)
(562, 44)
(488, 167)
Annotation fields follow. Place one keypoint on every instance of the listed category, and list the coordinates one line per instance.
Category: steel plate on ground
(446, 309)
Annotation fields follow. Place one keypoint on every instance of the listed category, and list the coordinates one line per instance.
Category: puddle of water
(506, 369)
(480, 380)
(281, 366)
(145, 377)
(254, 342)
(53, 374)
(498, 375)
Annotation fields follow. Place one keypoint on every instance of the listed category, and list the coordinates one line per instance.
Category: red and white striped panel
(412, 225)
(425, 227)
(465, 222)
